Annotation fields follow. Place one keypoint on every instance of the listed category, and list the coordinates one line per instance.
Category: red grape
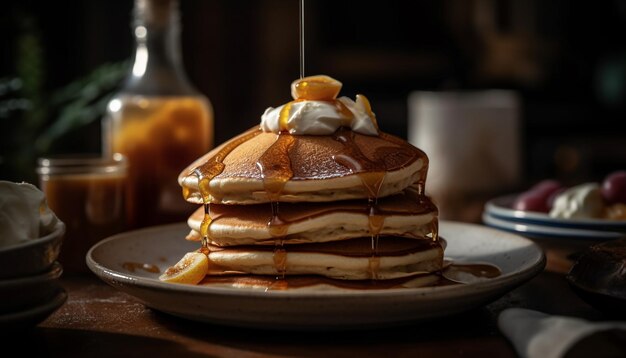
(614, 187)
(539, 197)
(546, 187)
(531, 201)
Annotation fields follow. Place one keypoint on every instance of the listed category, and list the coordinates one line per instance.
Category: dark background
(566, 58)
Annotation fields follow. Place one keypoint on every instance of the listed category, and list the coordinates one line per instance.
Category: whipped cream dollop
(24, 213)
(316, 110)
(583, 201)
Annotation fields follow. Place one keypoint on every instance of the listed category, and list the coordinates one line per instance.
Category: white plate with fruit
(538, 231)
(551, 209)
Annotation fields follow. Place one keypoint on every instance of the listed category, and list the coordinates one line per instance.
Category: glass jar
(157, 120)
(88, 195)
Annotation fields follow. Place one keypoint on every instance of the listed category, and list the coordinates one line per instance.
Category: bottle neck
(158, 67)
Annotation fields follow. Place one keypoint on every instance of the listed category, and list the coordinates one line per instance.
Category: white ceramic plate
(537, 231)
(518, 258)
(501, 208)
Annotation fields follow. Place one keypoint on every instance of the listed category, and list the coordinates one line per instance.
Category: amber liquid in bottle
(157, 120)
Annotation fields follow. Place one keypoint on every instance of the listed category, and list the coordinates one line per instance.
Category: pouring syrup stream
(301, 18)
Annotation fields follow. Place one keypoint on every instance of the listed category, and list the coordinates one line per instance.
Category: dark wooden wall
(567, 59)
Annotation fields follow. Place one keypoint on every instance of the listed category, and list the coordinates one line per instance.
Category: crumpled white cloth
(24, 213)
(538, 335)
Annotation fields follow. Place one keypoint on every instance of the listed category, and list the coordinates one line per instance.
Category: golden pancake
(346, 165)
(312, 283)
(406, 215)
(395, 257)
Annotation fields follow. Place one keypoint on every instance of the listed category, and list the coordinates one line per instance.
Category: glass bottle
(158, 120)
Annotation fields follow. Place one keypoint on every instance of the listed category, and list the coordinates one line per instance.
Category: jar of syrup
(86, 193)
(158, 120)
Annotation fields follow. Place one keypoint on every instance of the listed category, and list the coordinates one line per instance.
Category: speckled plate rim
(501, 207)
(533, 264)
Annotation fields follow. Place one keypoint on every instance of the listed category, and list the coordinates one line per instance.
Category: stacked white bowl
(29, 287)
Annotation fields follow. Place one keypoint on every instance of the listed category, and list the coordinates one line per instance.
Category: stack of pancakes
(335, 209)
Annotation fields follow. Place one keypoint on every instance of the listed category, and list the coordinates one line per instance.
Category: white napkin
(535, 334)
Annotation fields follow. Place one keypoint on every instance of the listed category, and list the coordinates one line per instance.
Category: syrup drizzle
(275, 168)
(283, 117)
(215, 165)
(475, 269)
(470, 272)
(484, 271)
(372, 175)
(368, 108)
(345, 112)
(420, 184)
(280, 261)
(209, 170)
(204, 226)
(132, 266)
(301, 23)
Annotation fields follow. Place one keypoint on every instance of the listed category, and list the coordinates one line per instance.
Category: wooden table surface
(98, 320)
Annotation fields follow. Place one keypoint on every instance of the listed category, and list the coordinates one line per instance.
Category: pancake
(346, 165)
(315, 283)
(405, 214)
(315, 197)
(395, 257)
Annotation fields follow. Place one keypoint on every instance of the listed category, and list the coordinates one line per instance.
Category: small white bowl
(31, 257)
